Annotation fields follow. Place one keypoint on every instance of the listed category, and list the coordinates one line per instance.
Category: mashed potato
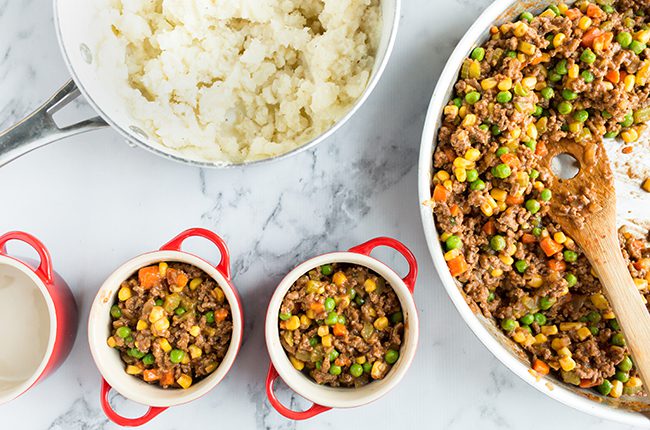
(239, 80)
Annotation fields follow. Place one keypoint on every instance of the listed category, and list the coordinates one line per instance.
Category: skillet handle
(39, 128)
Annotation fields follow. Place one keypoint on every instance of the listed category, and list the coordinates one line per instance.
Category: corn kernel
(124, 294)
(583, 333)
(641, 284)
(540, 338)
(339, 278)
(599, 301)
(442, 175)
(462, 112)
(488, 83)
(562, 7)
(305, 321)
(496, 273)
(584, 22)
(449, 255)
(469, 120)
(451, 110)
(141, 325)
(549, 330)
(520, 29)
(511, 249)
(157, 313)
(548, 13)
(195, 351)
(642, 36)
(161, 325)
(381, 323)
(526, 48)
(444, 236)
(646, 185)
(617, 389)
(195, 283)
(505, 85)
(378, 369)
(567, 364)
(474, 69)
(506, 259)
(558, 39)
(369, 285)
(576, 127)
(326, 340)
(462, 163)
(574, 71)
(162, 269)
(361, 359)
(447, 184)
(559, 343)
(133, 370)
(111, 342)
(472, 154)
(609, 315)
(460, 174)
(536, 281)
(628, 83)
(292, 323)
(164, 345)
(529, 82)
(519, 336)
(195, 330)
(634, 382)
(184, 381)
(297, 364)
(499, 194)
(559, 237)
(486, 208)
(608, 86)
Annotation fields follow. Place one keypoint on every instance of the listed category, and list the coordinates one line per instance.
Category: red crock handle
(366, 249)
(283, 410)
(152, 413)
(224, 264)
(44, 270)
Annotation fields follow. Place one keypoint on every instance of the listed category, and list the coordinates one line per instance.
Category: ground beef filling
(171, 324)
(577, 72)
(342, 325)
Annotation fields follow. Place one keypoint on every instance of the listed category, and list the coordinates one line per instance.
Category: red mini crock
(108, 360)
(60, 303)
(323, 397)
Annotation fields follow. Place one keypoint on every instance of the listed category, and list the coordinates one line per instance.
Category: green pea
(570, 256)
(504, 96)
(530, 144)
(605, 388)
(607, 8)
(538, 111)
(334, 354)
(352, 293)
(511, 54)
(502, 150)
(555, 10)
(611, 134)
(520, 90)
(491, 296)
(341, 319)
(326, 270)
(521, 266)
(581, 115)
(527, 328)
(587, 76)
(537, 231)
(554, 76)
(367, 367)
(545, 303)
(148, 360)
(116, 312)
(618, 339)
(176, 355)
(569, 95)
(560, 67)
(472, 175)
(330, 304)
(588, 56)
(628, 120)
(391, 356)
(458, 102)
(159, 302)
(359, 300)
(547, 93)
(335, 370)
(313, 341)
(622, 376)
(397, 317)
(594, 317)
(614, 324)
(356, 370)
(332, 318)
(478, 54)
(626, 364)
(136, 353)
(180, 311)
(526, 16)
(527, 319)
(624, 39)
(128, 340)
(209, 317)
(564, 108)
(498, 243)
(594, 330)
(501, 171)
(477, 185)
(283, 316)
(606, 114)
(495, 130)
(637, 47)
(123, 332)
(508, 324)
(534, 174)
(546, 195)
(540, 319)
(472, 97)
(453, 242)
(533, 206)
(571, 279)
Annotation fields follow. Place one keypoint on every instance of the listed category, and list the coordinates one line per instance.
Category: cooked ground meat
(573, 72)
(171, 324)
(342, 325)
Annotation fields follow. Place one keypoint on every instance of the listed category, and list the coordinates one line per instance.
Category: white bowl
(329, 397)
(502, 347)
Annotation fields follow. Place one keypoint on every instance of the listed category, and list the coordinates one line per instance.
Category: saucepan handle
(314, 410)
(39, 128)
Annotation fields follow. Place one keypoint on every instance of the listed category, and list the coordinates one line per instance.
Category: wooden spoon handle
(605, 255)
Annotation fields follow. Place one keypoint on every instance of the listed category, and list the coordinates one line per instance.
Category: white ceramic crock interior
(502, 347)
(78, 34)
(108, 360)
(37, 339)
(342, 397)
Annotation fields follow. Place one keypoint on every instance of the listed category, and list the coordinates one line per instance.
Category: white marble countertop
(97, 202)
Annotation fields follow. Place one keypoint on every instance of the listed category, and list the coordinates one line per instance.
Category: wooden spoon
(585, 207)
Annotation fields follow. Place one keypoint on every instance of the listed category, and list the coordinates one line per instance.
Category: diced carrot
(220, 314)
(642, 264)
(603, 41)
(454, 210)
(593, 11)
(511, 160)
(541, 149)
(167, 378)
(573, 14)
(589, 36)
(587, 383)
(458, 265)
(514, 200)
(440, 193)
(177, 277)
(150, 375)
(613, 76)
(149, 277)
(550, 247)
(489, 228)
(317, 307)
(540, 367)
(342, 361)
(339, 330)
(557, 265)
(528, 238)
(623, 74)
